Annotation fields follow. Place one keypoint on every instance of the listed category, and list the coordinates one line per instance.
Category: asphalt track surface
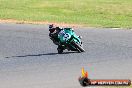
(29, 59)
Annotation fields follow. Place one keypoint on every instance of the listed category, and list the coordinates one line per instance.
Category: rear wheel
(60, 50)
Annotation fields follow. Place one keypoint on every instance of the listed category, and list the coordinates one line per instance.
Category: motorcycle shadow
(36, 55)
(70, 52)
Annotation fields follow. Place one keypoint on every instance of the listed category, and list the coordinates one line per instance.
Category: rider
(54, 31)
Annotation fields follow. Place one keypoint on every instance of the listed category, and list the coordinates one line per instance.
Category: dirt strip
(39, 22)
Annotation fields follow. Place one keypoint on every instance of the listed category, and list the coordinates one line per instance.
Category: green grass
(93, 13)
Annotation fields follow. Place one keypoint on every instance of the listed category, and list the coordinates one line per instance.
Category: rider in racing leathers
(54, 31)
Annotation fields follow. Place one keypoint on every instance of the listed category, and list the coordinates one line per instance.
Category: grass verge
(93, 13)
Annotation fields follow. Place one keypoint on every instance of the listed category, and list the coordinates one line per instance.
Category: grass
(93, 13)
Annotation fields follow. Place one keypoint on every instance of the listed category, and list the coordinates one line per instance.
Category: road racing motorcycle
(70, 41)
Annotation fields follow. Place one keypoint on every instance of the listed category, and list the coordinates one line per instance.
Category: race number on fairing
(65, 36)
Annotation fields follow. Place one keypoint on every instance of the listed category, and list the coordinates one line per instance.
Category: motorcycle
(70, 41)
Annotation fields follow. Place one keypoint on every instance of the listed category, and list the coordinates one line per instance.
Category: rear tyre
(60, 50)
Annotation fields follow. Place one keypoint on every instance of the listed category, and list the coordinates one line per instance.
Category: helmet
(51, 28)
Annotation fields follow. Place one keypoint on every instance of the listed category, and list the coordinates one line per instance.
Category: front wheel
(79, 47)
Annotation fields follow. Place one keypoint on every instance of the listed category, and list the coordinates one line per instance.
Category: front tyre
(79, 47)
